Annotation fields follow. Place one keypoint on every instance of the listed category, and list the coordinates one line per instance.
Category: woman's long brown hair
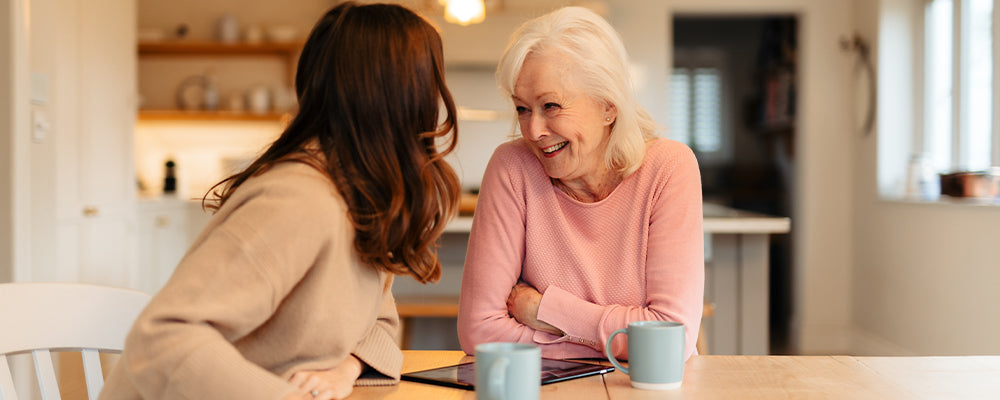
(370, 83)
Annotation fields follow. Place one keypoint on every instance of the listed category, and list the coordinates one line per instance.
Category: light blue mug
(508, 371)
(655, 354)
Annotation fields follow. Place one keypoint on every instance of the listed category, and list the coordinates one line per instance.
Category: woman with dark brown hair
(287, 291)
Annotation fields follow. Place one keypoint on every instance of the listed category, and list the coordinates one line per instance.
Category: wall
(924, 275)
(46, 53)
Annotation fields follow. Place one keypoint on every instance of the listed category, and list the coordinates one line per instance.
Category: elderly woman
(587, 221)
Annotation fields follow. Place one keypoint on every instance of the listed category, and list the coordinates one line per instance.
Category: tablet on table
(463, 376)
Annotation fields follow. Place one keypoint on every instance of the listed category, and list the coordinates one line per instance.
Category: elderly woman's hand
(522, 304)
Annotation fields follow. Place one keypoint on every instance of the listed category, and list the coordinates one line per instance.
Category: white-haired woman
(588, 220)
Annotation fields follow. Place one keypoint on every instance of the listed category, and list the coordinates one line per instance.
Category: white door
(95, 103)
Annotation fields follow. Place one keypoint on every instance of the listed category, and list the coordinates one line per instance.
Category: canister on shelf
(170, 180)
(228, 28)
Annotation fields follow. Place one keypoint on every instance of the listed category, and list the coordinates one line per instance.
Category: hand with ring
(328, 384)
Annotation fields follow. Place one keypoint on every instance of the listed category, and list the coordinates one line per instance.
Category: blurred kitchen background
(774, 96)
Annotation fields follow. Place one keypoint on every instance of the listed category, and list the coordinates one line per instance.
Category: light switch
(39, 88)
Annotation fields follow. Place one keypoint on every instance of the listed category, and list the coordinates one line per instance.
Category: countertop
(717, 218)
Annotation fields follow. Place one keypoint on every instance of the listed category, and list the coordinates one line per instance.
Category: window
(697, 103)
(695, 109)
(960, 129)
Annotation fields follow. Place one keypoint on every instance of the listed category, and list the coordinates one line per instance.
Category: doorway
(733, 99)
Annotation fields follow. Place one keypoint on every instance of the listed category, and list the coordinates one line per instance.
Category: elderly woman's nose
(534, 128)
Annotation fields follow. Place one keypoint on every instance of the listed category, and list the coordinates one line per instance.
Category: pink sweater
(636, 255)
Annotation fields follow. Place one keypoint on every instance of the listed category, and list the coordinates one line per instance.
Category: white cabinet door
(95, 92)
(163, 240)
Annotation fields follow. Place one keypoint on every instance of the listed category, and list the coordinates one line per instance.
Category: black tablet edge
(598, 370)
(420, 379)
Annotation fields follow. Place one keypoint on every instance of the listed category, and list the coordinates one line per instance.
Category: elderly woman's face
(567, 129)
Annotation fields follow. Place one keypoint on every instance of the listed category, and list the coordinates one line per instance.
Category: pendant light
(464, 12)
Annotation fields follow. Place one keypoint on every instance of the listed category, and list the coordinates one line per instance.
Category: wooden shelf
(288, 52)
(182, 115)
(217, 48)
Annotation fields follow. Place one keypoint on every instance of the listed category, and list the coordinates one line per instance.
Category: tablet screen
(464, 375)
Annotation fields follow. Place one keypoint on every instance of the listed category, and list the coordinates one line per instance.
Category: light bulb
(465, 12)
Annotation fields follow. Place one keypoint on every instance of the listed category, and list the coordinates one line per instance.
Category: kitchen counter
(722, 219)
(717, 219)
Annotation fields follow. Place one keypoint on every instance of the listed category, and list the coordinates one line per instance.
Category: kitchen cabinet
(212, 53)
(163, 240)
(167, 227)
(737, 272)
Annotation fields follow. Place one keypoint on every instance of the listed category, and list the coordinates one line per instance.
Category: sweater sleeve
(493, 261)
(675, 274)
(378, 349)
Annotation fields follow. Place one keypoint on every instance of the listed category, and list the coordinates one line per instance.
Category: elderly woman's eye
(550, 106)
(520, 110)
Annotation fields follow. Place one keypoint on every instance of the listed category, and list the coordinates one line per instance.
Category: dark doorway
(736, 77)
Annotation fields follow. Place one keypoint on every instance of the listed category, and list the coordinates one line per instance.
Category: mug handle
(611, 357)
(497, 374)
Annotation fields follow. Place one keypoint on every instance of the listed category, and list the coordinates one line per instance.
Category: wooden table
(752, 377)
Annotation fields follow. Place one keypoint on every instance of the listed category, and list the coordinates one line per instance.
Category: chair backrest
(39, 317)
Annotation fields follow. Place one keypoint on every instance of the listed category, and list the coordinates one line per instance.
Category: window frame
(960, 134)
(693, 58)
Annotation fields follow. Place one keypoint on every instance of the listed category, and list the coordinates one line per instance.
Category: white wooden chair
(39, 317)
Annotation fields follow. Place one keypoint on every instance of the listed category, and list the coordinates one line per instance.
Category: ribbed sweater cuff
(379, 352)
(581, 325)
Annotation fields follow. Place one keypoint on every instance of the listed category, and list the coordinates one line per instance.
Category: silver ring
(314, 393)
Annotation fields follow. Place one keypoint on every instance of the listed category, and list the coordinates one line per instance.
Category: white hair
(600, 68)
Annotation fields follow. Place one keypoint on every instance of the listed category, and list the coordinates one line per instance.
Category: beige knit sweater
(270, 287)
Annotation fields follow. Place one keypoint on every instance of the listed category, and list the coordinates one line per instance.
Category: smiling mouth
(554, 148)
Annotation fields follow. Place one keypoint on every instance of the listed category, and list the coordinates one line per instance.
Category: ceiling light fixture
(464, 12)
